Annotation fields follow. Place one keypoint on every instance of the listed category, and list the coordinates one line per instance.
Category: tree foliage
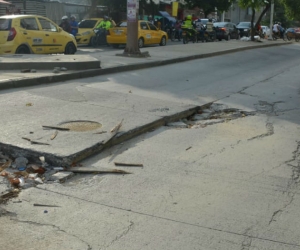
(292, 8)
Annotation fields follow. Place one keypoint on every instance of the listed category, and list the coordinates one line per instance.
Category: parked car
(86, 30)
(32, 34)
(265, 30)
(244, 28)
(226, 30)
(147, 34)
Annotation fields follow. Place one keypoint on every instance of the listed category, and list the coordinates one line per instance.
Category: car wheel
(70, 49)
(141, 42)
(23, 49)
(163, 41)
(220, 39)
(116, 46)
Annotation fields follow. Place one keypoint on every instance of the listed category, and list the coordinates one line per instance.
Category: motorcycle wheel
(94, 41)
(284, 37)
(173, 36)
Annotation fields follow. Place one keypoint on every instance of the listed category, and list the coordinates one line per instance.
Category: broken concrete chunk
(20, 162)
(61, 176)
(211, 122)
(4, 185)
(202, 116)
(38, 180)
(177, 125)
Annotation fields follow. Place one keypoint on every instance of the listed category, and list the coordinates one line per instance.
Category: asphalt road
(231, 182)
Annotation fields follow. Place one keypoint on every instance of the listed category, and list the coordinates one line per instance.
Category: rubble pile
(19, 173)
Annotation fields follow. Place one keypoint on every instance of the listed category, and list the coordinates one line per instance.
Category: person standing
(65, 25)
(74, 26)
(178, 30)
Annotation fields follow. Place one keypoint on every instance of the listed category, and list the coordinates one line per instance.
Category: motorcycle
(175, 35)
(189, 35)
(99, 38)
(206, 36)
(279, 35)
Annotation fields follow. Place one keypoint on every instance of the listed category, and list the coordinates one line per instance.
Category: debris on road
(25, 70)
(117, 127)
(61, 176)
(128, 164)
(57, 128)
(54, 135)
(35, 142)
(43, 205)
(188, 148)
(102, 132)
(177, 124)
(86, 170)
(29, 104)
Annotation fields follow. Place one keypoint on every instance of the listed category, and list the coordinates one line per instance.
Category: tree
(292, 8)
(255, 5)
(209, 6)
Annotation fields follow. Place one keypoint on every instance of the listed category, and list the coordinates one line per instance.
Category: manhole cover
(81, 126)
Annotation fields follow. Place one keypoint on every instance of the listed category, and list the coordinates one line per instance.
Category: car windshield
(5, 24)
(204, 21)
(244, 24)
(87, 24)
(122, 24)
(219, 24)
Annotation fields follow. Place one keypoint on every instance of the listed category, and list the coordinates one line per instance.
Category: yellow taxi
(86, 30)
(147, 34)
(32, 34)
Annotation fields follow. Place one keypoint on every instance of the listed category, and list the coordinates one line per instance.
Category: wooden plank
(87, 170)
(128, 164)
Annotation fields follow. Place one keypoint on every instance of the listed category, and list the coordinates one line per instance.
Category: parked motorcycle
(99, 38)
(189, 35)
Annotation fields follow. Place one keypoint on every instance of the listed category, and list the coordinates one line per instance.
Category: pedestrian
(74, 25)
(65, 25)
(150, 19)
(178, 29)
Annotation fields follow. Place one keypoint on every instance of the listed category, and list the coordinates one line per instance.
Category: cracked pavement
(232, 185)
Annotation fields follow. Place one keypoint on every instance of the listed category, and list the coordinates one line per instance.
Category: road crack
(126, 231)
(53, 226)
(270, 131)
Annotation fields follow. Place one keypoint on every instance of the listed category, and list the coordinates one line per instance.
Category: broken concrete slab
(61, 176)
(177, 125)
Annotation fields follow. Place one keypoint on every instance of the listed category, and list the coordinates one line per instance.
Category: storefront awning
(167, 15)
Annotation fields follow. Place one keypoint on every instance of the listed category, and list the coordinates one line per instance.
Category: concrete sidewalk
(95, 100)
(110, 63)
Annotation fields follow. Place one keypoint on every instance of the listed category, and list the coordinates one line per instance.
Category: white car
(265, 30)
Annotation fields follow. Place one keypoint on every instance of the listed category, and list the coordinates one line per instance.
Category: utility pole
(132, 48)
(271, 21)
